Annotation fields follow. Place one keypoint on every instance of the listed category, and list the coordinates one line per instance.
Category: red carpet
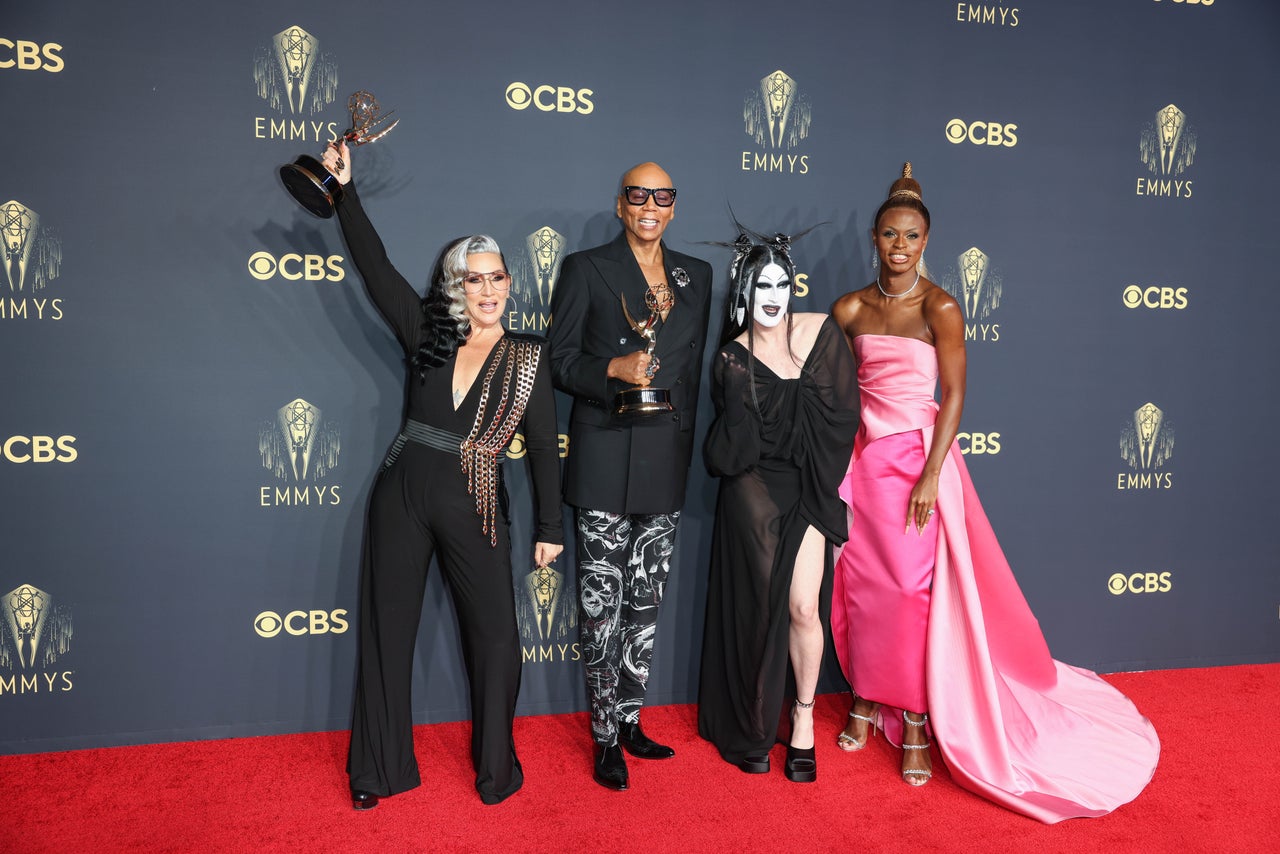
(1216, 789)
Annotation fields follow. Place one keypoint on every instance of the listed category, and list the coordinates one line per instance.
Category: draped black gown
(779, 470)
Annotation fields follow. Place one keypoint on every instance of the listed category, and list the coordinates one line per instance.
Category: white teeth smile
(648, 222)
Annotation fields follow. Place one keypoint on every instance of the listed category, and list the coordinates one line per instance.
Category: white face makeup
(772, 296)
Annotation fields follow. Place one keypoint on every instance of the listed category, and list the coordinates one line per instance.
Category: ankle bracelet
(808, 705)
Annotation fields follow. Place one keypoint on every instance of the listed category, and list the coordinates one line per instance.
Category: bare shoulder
(808, 322)
(846, 307)
(941, 309)
(936, 299)
(804, 331)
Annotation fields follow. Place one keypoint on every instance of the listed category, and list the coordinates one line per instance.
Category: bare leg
(805, 640)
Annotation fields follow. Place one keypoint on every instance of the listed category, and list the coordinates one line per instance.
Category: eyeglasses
(474, 282)
(663, 197)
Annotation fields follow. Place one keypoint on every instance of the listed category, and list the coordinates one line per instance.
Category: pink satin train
(1038, 736)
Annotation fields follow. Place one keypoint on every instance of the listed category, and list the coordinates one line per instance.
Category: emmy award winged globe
(646, 400)
(315, 187)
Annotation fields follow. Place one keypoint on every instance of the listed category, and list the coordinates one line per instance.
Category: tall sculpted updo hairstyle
(904, 193)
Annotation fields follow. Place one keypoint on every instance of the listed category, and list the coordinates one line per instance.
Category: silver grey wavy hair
(454, 268)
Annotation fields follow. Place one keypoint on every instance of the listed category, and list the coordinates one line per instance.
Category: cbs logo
(1140, 582)
(40, 449)
(268, 624)
(518, 449)
(263, 266)
(28, 56)
(1155, 297)
(548, 99)
(978, 443)
(982, 133)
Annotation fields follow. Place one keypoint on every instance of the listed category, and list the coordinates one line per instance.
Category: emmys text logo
(988, 13)
(776, 114)
(24, 55)
(536, 269)
(264, 267)
(1155, 296)
(1167, 148)
(32, 259)
(978, 444)
(297, 80)
(978, 286)
(1146, 444)
(301, 449)
(550, 99)
(982, 133)
(34, 633)
(268, 624)
(1140, 582)
(39, 449)
(547, 614)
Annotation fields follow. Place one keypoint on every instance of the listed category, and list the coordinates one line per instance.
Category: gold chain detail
(479, 451)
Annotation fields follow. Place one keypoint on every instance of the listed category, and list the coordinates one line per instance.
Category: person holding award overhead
(628, 325)
(927, 619)
(471, 386)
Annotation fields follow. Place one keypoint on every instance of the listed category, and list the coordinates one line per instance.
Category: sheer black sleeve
(395, 299)
(828, 423)
(734, 442)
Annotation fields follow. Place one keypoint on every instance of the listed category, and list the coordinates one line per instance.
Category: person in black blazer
(626, 476)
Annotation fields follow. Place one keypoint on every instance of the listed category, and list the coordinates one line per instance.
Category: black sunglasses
(663, 197)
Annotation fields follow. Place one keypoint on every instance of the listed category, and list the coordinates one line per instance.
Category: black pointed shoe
(640, 745)
(363, 800)
(610, 767)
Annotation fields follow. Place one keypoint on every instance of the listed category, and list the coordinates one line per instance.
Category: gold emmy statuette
(646, 400)
(315, 187)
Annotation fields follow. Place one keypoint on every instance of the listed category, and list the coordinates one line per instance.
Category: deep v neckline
(484, 367)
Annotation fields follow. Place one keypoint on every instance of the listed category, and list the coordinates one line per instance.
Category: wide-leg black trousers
(420, 508)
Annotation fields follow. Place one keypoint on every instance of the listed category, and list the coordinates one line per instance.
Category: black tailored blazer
(639, 465)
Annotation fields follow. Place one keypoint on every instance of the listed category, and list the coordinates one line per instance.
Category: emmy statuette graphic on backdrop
(646, 400)
(315, 187)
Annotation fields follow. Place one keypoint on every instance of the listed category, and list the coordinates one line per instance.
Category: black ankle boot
(640, 745)
(610, 767)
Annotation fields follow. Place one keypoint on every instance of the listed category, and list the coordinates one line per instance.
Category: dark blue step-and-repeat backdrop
(197, 392)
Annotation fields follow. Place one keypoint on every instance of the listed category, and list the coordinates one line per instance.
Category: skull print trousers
(623, 561)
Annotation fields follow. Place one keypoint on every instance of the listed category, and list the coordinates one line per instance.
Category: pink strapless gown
(938, 622)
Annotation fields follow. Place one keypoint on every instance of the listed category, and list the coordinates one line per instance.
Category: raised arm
(396, 300)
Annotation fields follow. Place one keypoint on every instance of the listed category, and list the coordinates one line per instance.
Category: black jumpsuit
(420, 507)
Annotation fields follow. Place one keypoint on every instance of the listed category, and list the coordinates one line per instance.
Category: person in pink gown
(928, 622)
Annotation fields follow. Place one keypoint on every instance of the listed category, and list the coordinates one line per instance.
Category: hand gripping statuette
(315, 187)
(646, 400)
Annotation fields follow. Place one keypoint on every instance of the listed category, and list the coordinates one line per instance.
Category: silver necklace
(901, 295)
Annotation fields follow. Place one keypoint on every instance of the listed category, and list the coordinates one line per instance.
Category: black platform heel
(802, 762)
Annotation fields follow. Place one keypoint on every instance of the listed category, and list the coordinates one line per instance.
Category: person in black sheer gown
(786, 400)
(440, 493)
